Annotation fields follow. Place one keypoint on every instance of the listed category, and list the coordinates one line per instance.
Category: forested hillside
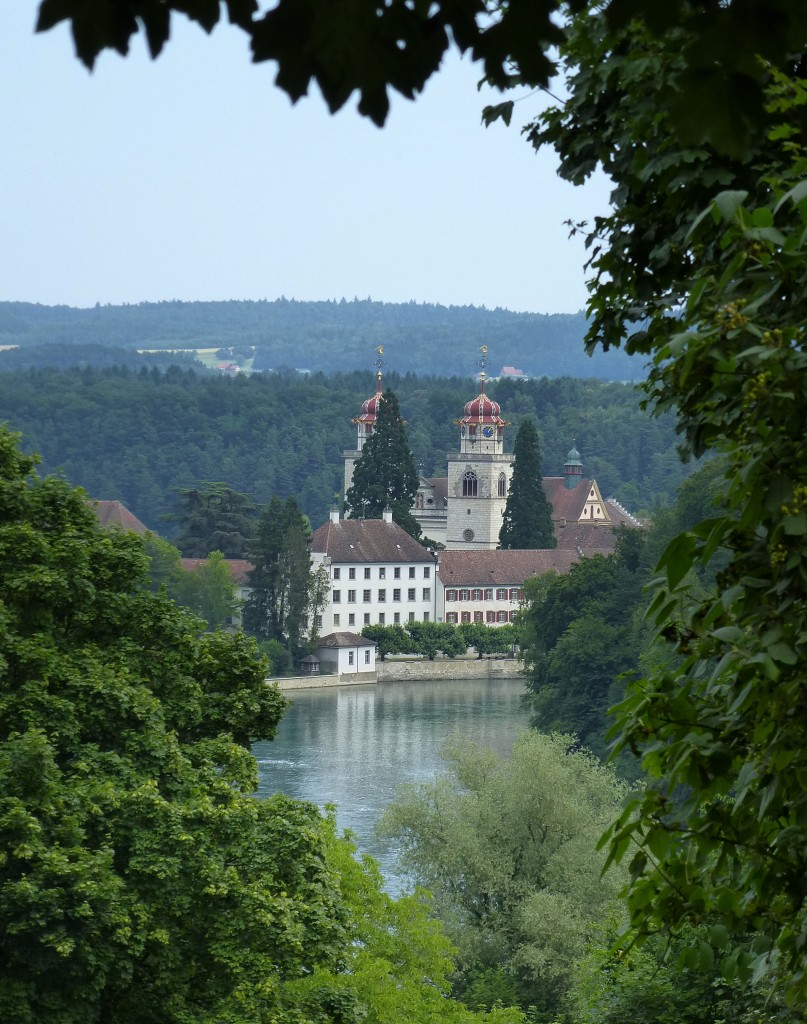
(330, 336)
(136, 436)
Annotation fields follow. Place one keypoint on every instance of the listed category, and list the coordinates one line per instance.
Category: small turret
(573, 469)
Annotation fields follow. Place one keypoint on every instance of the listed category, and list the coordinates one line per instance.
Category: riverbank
(392, 670)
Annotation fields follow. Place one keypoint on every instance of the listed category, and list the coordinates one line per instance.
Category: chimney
(387, 514)
(335, 515)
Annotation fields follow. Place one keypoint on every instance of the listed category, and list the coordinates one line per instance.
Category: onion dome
(369, 408)
(483, 410)
(573, 458)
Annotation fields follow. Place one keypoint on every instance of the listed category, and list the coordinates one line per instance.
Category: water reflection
(354, 746)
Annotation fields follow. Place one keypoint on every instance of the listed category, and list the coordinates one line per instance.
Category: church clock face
(488, 431)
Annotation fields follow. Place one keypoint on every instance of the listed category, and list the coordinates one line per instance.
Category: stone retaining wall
(450, 668)
(323, 682)
(389, 671)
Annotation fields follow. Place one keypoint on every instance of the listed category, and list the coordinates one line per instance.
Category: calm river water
(354, 745)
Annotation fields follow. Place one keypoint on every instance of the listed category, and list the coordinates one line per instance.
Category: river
(354, 745)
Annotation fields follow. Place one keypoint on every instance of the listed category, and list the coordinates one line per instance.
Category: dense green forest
(135, 436)
(330, 336)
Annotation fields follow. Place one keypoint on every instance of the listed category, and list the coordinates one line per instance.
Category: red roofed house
(379, 574)
(488, 586)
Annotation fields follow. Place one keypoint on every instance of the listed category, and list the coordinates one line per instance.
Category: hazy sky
(193, 177)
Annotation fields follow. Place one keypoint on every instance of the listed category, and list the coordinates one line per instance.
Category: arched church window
(502, 485)
(470, 484)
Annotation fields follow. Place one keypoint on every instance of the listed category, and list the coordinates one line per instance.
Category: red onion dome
(482, 410)
(369, 408)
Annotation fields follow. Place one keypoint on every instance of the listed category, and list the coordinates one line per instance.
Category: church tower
(364, 423)
(478, 476)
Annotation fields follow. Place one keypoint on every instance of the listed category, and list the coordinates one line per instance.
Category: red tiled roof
(345, 640)
(567, 502)
(500, 568)
(368, 540)
(590, 538)
(239, 568)
(116, 514)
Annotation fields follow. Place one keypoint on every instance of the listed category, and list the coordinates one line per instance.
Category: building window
(367, 656)
(396, 594)
(476, 595)
(502, 485)
(397, 618)
(502, 616)
(411, 593)
(351, 619)
(513, 616)
(466, 616)
(337, 573)
(351, 597)
(382, 595)
(515, 595)
(470, 484)
(491, 616)
(427, 572)
(465, 595)
(451, 595)
(336, 619)
(382, 573)
(367, 596)
(351, 574)
(489, 594)
(501, 594)
(350, 657)
(337, 597)
(411, 616)
(451, 616)
(425, 616)
(367, 574)
(427, 593)
(411, 572)
(396, 572)
(367, 618)
(381, 619)
(477, 616)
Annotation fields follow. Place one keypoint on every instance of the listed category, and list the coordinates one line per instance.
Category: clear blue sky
(193, 177)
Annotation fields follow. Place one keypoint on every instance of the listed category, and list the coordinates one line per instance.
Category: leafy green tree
(210, 592)
(527, 512)
(214, 517)
(165, 563)
(508, 849)
(718, 837)
(389, 640)
(138, 879)
(431, 638)
(385, 473)
(281, 581)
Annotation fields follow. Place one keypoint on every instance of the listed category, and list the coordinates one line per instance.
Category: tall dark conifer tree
(385, 473)
(281, 581)
(527, 514)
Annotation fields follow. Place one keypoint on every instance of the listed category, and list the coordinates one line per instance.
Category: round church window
(467, 534)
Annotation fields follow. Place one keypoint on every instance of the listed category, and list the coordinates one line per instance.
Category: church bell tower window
(470, 484)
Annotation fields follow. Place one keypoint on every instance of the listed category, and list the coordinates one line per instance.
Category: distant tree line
(136, 436)
(334, 335)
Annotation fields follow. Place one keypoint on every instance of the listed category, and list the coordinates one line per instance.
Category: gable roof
(368, 540)
(501, 568)
(116, 514)
(345, 640)
(239, 568)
